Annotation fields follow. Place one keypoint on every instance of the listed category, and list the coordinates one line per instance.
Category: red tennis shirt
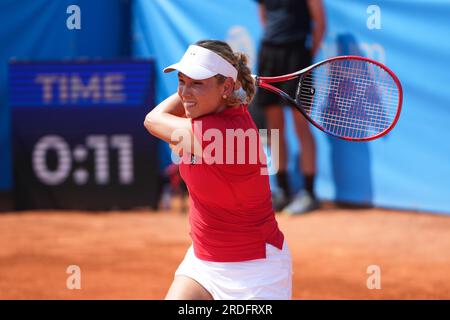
(231, 215)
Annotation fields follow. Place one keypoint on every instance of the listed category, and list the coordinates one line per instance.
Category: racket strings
(374, 110)
(308, 83)
(355, 119)
(350, 98)
(382, 117)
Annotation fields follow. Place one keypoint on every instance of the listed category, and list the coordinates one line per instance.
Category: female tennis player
(237, 251)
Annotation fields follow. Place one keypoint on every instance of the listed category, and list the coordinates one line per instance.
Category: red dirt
(133, 255)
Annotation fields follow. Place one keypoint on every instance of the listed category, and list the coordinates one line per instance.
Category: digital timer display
(78, 135)
(100, 144)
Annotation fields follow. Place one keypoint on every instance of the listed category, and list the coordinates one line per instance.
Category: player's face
(200, 97)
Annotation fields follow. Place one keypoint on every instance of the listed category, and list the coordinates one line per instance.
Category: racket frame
(264, 82)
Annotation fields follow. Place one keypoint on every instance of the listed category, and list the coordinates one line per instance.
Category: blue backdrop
(36, 30)
(407, 169)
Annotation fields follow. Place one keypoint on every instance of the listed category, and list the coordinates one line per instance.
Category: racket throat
(304, 91)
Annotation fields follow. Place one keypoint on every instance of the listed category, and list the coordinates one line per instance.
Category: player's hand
(176, 149)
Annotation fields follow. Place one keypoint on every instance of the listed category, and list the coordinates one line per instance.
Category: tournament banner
(78, 136)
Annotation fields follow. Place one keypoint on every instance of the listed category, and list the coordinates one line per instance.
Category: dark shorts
(277, 60)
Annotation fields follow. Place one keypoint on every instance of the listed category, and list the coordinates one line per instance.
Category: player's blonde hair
(239, 60)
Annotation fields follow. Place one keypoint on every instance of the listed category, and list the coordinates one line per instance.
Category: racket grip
(255, 79)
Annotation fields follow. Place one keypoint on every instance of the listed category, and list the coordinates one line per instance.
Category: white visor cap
(200, 63)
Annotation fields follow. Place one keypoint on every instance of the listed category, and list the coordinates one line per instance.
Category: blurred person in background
(174, 189)
(288, 24)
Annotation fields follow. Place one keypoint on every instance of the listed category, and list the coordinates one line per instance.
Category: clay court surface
(133, 255)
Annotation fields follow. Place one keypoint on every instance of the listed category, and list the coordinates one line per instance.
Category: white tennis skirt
(260, 279)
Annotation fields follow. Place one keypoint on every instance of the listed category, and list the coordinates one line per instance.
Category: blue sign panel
(59, 84)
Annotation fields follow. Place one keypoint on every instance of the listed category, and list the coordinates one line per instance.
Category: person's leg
(185, 288)
(272, 62)
(308, 150)
(305, 200)
(296, 56)
(275, 120)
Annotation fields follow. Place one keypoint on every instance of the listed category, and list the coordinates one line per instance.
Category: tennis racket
(349, 97)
